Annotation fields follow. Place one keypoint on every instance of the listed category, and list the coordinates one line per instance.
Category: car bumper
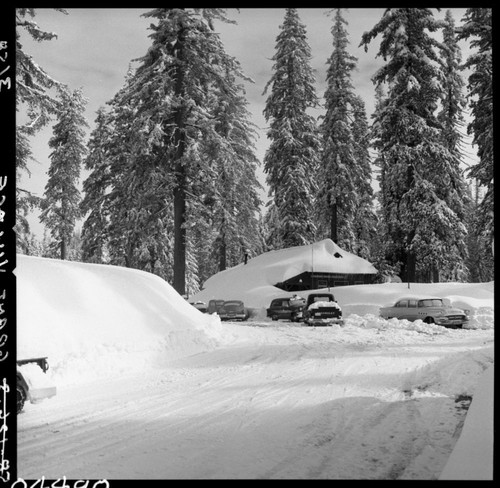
(451, 323)
(233, 317)
(314, 322)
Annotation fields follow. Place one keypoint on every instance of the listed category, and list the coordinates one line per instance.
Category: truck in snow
(322, 309)
(32, 385)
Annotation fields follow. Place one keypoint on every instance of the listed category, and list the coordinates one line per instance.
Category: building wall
(313, 281)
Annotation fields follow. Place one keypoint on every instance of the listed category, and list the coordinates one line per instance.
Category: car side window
(412, 303)
(402, 303)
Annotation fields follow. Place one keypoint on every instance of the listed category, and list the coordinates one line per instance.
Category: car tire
(429, 320)
(21, 398)
(274, 317)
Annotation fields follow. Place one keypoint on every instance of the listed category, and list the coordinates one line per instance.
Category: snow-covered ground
(150, 388)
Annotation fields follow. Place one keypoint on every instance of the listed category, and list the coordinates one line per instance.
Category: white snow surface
(148, 387)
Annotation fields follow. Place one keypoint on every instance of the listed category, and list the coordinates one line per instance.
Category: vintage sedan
(214, 305)
(288, 308)
(431, 310)
(233, 310)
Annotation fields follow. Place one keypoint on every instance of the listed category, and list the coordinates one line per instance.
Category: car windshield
(431, 302)
(321, 299)
(232, 305)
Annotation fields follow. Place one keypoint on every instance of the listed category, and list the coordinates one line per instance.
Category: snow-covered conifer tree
(230, 199)
(291, 159)
(61, 203)
(478, 29)
(365, 219)
(94, 187)
(344, 176)
(172, 97)
(422, 219)
(451, 118)
(36, 104)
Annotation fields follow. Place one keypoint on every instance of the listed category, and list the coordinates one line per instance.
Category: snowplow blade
(39, 394)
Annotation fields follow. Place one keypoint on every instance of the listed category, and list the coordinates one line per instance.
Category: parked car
(214, 306)
(26, 389)
(431, 310)
(201, 306)
(233, 310)
(322, 309)
(289, 308)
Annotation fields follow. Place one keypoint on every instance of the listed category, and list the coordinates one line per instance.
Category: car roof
(418, 297)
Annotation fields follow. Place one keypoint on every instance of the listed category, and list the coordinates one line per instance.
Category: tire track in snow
(293, 403)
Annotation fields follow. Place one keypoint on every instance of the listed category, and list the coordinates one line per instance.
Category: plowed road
(286, 402)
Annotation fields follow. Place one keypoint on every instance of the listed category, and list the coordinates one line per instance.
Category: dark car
(288, 308)
(233, 310)
(322, 309)
(201, 306)
(214, 306)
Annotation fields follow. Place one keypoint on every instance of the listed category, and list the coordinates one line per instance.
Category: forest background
(220, 224)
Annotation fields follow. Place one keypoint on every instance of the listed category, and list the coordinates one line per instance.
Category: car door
(401, 309)
(284, 309)
(412, 310)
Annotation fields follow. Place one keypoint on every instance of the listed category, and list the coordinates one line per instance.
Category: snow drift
(99, 320)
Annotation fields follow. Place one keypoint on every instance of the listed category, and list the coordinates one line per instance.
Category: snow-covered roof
(324, 256)
(259, 276)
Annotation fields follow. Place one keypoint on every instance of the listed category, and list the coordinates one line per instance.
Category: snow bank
(97, 320)
(472, 456)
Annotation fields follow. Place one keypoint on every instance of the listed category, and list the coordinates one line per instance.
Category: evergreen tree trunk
(435, 274)
(180, 231)
(179, 281)
(222, 253)
(334, 223)
(63, 249)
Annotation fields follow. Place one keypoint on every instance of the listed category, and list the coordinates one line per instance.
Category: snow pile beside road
(98, 322)
(472, 457)
(95, 320)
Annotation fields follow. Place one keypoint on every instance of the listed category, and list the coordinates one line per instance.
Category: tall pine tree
(365, 220)
(177, 155)
(451, 119)
(478, 29)
(344, 172)
(423, 222)
(291, 159)
(95, 187)
(61, 203)
(37, 104)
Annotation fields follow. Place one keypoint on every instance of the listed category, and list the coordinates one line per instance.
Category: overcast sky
(95, 47)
